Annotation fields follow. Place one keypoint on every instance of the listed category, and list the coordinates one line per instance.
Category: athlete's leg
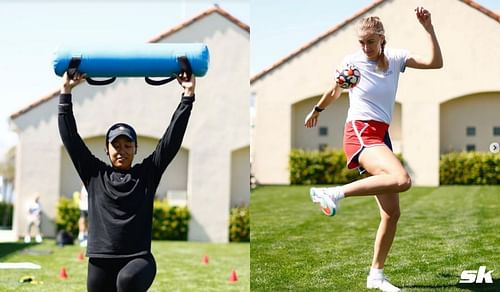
(102, 275)
(388, 175)
(27, 236)
(389, 215)
(137, 275)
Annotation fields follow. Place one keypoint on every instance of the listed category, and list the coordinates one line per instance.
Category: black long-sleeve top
(121, 201)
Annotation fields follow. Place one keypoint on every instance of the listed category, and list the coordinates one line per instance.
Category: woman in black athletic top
(121, 195)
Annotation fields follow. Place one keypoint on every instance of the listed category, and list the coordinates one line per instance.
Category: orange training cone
(80, 256)
(233, 277)
(63, 274)
(204, 260)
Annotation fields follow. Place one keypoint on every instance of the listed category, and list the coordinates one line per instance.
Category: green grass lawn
(442, 231)
(179, 266)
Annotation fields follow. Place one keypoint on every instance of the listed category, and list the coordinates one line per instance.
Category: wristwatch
(318, 109)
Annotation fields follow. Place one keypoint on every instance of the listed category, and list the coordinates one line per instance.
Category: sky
(31, 30)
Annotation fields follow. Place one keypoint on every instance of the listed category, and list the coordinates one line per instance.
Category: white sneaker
(27, 239)
(328, 205)
(381, 283)
(38, 238)
(313, 194)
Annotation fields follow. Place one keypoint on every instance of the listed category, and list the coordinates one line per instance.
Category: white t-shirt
(34, 209)
(84, 199)
(373, 98)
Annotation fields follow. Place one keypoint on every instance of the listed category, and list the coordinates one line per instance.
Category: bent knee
(126, 279)
(403, 182)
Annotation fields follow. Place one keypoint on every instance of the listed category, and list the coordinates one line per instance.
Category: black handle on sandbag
(159, 82)
(74, 63)
(185, 68)
(100, 82)
(73, 66)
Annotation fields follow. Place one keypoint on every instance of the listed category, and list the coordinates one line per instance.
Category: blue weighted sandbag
(140, 60)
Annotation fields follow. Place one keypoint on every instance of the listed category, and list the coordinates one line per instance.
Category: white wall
(240, 177)
(481, 111)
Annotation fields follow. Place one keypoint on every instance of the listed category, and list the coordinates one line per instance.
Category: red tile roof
(483, 9)
(346, 22)
(215, 9)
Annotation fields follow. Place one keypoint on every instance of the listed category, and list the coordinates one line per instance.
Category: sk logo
(476, 276)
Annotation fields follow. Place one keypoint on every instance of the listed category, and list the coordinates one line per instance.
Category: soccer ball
(348, 77)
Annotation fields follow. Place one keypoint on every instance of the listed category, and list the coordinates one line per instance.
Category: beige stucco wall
(334, 120)
(240, 176)
(466, 47)
(219, 124)
(481, 111)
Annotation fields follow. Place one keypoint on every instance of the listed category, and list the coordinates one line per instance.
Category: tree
(8, 165)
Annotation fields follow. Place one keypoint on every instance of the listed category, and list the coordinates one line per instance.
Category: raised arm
(81, 156)
(171, 141)
(435, 60)
(328, 97)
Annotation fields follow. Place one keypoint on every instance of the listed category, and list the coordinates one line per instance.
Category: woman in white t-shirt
(366, 140)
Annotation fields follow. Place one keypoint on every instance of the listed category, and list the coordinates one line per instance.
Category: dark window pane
(471, 131)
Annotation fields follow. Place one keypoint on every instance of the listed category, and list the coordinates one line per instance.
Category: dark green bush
(6, 210)
(67, 215)
(239, 224)
(469, 168)
(170, 222)
(321, 167)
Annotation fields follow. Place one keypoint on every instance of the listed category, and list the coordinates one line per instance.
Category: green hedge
(329, 167)
(239, 224)
(169, 222)
(319, 167)
(6, 210)
(469, 168)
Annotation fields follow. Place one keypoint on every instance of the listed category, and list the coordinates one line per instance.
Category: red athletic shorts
(361, 134)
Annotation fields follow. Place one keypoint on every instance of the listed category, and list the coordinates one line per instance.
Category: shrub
(170, 222)
(67, 216)
(469, 168)
(6, 210)
(239, 224)
(321, 167)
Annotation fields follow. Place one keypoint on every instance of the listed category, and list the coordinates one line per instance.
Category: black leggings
(121, 274)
